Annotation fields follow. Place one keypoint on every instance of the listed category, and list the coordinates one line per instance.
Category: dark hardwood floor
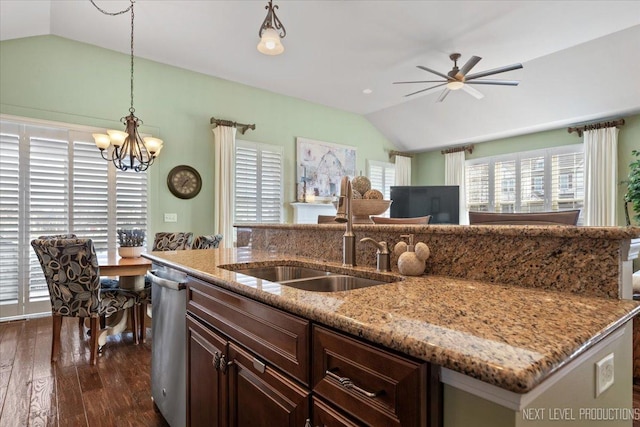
(35, 392)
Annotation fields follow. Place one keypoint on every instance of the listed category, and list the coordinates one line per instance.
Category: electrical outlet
(170, 217)
(604, 374)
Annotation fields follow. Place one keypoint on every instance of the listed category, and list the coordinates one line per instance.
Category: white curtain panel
(403, 170)
(600, 176)
(454, 175)
(224, 185)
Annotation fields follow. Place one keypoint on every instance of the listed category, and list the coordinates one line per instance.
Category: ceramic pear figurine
(411, 259)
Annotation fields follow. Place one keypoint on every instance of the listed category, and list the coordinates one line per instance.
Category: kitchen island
(506, 351)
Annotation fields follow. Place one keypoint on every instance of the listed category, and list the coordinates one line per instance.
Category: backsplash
(581, 260)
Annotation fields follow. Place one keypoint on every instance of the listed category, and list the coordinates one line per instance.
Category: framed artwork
(321, 166)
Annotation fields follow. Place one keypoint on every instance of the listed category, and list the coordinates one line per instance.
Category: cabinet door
(206, 383)
(259, 396)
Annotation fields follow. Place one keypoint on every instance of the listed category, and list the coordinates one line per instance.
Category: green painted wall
(428, 167)
(53, 78)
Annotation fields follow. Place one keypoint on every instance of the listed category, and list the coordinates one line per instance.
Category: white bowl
(130, 251)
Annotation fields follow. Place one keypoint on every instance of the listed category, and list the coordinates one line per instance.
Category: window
(534, 181)
(258, 182)
(382, 176)
(52, 181)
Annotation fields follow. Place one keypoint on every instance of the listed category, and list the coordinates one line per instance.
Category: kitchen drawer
(325, 415)
(374, 386)
(278, 337)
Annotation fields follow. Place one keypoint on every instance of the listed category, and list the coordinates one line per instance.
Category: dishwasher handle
(165, 283)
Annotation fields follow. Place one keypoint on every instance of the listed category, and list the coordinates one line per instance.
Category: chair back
(176, 241)
(207, 242)
(414, 220)
(569, 217)
(71, 269)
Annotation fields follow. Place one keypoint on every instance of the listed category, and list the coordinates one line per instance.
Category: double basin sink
(308, 278)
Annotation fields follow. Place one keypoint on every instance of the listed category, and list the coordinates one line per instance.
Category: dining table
(130, 273)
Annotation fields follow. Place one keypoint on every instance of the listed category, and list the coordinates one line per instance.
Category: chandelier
(130, 150)
(270, 43)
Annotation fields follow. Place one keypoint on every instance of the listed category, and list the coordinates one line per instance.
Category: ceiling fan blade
(420, 81)
(467, 67)
(494, 71)
(494, 82)
(444, 94)
(423, 90)
(437, 73)
(474, 92)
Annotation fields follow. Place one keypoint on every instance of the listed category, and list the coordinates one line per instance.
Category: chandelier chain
(112, 13)
(131, 109)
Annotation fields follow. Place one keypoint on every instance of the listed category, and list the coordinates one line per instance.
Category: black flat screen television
(442, 202)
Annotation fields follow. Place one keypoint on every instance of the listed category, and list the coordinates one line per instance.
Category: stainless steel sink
(332, 283)
(280, 273)
(306, 278)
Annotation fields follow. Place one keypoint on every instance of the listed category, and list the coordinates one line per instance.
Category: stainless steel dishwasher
(168, 346)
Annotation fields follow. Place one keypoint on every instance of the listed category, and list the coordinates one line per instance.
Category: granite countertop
(509, 336)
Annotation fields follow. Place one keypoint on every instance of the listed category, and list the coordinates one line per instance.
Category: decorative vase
(130, 251)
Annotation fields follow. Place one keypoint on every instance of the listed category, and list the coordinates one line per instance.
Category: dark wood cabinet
(260, 396)
(250, 365)
(206, 384)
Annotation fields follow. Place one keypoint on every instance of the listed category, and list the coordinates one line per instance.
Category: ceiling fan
(458, 78)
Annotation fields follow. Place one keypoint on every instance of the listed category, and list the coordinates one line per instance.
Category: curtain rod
(593, 126)
(399, 153)
(241, 127)
(468, 148)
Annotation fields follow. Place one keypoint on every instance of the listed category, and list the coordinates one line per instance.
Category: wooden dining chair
(71, 269)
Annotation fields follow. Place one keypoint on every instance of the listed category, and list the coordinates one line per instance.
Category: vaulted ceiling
(580, 58)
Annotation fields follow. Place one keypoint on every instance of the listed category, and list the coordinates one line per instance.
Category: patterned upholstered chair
(71, 269)
(172, 241)
(207, 242)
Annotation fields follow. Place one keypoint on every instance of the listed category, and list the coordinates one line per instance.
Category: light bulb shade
(102, 140)
(455, 85)
(270, 43)
(153, 144)
(117, 137)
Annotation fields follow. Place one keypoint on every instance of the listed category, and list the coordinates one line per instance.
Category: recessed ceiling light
(367, 91)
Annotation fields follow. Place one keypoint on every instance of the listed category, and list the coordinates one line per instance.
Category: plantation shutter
(567, 181)
(131, 201)
(48, 199)
(477, 185)
(90, 195)
(258, 183)
(10, 214)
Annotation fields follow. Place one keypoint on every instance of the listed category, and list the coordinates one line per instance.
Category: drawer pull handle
(347, 383)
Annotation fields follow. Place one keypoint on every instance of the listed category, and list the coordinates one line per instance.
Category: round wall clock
(184, 182)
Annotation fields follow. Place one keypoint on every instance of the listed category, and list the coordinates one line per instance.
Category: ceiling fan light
(270, 43)
(455, 85)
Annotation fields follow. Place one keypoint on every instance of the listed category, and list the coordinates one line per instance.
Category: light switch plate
(170, 217)
(605, 374)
